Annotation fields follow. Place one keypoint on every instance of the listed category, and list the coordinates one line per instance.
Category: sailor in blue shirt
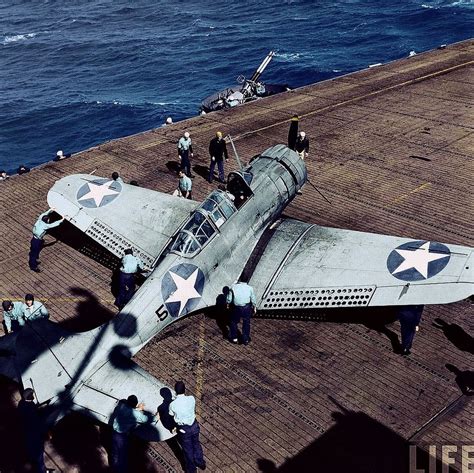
(242, 297)
(130, 266)
(13, 315)
(40, 228)
(33, 310)
(187, 428)
(126, 417)
(185, 151)
(409, 317)
(185, 185)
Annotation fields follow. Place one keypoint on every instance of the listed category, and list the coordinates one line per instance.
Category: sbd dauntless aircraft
(193, 249)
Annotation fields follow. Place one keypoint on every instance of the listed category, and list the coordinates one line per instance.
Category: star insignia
(97, 191)
(420, 260)
(185, 290)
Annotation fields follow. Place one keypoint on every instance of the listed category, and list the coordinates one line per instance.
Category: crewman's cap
(6, 305)
(186, 134)
(219, 134)
(60, 154)
(180, 387)
(132, 401)
(28, 394)
(169, 120)
(302, 134)
(29, 297)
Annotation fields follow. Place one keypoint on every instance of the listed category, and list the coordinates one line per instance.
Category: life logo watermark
(443, 459)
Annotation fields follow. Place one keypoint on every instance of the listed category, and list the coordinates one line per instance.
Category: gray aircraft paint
(301, 266)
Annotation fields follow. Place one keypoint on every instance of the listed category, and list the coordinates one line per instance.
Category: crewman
(187, 428)
(217, 151)
(185, 151)
(116, 177)
(242, 298)
(40, 228)
(130, 266)
(293, 132)
(185, 185)
(22, 169)
(128, 414)
(3, 175)
(409, 317)
(60, 155)
(302, 145)
(13, 315)
(34, 427)
(34, 310)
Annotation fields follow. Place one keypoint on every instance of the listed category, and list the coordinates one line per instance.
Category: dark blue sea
(76, 73)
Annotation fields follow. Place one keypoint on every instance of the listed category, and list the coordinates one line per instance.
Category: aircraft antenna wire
(318, 191)
(235, 152)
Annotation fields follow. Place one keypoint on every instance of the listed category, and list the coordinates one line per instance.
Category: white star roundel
(182, 287)
(98, 193)
(418, 260)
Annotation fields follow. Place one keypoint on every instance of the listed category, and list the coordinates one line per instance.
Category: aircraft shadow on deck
(356, 443)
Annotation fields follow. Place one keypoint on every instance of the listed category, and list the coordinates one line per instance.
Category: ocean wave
(125, 103)
(289, 57)
(17, 37)
(449, 4)
(463, 3)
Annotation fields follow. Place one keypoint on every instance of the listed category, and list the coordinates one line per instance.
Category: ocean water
(76, 73)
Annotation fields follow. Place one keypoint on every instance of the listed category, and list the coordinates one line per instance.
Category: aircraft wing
(117, 379)
(118, 215)
(306, 266)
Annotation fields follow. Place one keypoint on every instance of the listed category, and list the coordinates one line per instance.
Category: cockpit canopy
(204, 223)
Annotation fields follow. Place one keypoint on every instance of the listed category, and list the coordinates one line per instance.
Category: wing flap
(309, 266)
(118, 215)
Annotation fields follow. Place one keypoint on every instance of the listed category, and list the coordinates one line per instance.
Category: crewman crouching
(34, 310)
(13, 317)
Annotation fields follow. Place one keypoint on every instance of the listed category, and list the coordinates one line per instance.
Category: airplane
(250, 89)
(191, 250)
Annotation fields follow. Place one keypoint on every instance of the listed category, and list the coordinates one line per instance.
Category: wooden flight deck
(392, 149)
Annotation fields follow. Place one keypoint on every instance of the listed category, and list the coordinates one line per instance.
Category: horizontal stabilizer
(37, 361)
(117, 380)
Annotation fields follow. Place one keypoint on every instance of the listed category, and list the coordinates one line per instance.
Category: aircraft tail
(117, 379)
(47, 357)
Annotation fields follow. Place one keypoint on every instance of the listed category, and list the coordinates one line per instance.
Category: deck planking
(392, 148)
